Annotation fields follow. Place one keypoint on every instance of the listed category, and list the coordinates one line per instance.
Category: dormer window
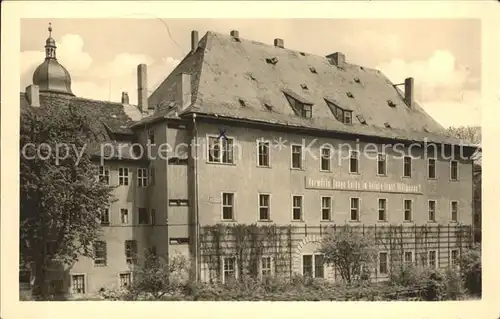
(268, 106)
(300, 106)
(313, 70)
(272, 60)
(304, 86)
(349, 94)
(342, 115)
(386, 124)
(391, 103)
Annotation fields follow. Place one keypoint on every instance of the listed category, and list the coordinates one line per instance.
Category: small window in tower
(304, 86)
(386, 124)
(349, 94)
(313, 70)
(361, 119)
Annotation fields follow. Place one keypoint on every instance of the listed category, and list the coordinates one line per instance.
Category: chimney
(184, 96)
(337, 58)
(409, 92)
(33, 95)
(279, 43)
(235, 34)
(142, 87)
(125, 99)
(194, 41)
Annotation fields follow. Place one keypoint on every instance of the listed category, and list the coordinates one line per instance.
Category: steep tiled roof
(225, 71)
(108, 120)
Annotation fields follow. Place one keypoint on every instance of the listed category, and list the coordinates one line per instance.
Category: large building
(243, 132)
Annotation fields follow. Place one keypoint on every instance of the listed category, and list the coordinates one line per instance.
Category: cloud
(441, 86)
(103, 80)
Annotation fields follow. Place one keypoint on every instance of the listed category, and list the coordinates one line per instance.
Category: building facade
(296, 145)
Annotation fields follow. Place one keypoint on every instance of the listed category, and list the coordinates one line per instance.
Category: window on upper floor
(454, 170)
(264, 207)
(123, 175)
(124, 215)
(220, 149)
(381, 164)
(151, 136)
(407, 166)
(142, 177)
(227, 206)
(432, 210)
(454, 211)
(325, 162)
(104, 216)
(354, 162)
(326, 208)
(431, 168)
(100, 253)
(131, 251)
(104, 174)
(143, 216)
(408, 210)
(354, 209)
(263, 148)
(382, 209)
(296, 156)
(297, 208)
(341, 114)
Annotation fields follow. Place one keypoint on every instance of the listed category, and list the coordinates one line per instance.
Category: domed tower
(50, 76)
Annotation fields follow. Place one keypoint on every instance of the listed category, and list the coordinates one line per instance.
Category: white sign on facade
(362, 186)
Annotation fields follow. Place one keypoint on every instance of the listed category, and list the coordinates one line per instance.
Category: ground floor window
(78, 284)
(432, 259)
(454, 257)
(229, 269)
(125, 279)
(313, 266)
(266, 266)
(383, 263)
(408, 257)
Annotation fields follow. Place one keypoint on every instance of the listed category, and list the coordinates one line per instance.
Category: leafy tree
(60, 198)
(350, 252)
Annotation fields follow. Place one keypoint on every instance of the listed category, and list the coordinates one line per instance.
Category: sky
(443, 55)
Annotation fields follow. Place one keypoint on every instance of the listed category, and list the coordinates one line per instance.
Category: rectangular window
(100, 253)
(297, 208)
(264, 206)
(431, 168)
(263, 153)
(227, 206)
(142, 177)
(104, 174)
(407, 210)
(354, 209)
(179, 240)
(407, 166)
(124, 215)
(229, 269)
(313, 266)
(454, 211)
(151, 136)
(347, 117)
(297, 156)
(104, 216)
(325, 159)
(220, 150)
(382, 209)
(454, 257)
(125, 279)
(433, 259)
(123, 176)
(408, 257)
(354, 162)
(266, 266)
(131, 251)
(326, 208)
(143, 216)
(78, 284)
(383, 263)
(432, 210)
(381, 164)
(454, 170)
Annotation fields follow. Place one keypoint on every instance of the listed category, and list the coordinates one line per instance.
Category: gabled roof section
(108, 119)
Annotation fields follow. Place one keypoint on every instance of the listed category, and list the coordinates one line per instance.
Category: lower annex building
(243, 132)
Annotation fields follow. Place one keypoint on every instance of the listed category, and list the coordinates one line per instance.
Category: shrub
(470, 267)
(349, 251)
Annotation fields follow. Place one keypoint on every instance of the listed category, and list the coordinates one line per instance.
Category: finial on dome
(50, 29)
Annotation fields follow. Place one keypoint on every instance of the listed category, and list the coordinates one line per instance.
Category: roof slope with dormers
(243, 79)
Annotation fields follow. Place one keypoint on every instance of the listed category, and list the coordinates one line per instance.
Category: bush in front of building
(470, 267)
(349, 251)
